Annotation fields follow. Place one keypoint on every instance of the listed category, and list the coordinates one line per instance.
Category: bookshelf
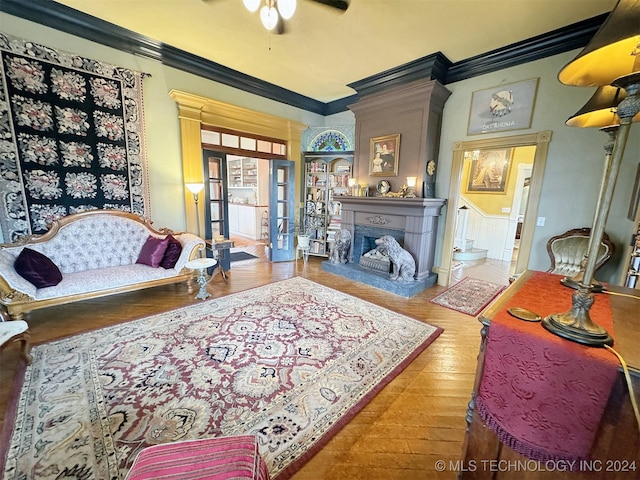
(326, 179)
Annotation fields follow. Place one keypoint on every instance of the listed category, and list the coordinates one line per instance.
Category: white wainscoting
(494, 233)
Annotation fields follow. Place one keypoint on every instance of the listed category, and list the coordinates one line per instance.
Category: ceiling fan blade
(339, 4)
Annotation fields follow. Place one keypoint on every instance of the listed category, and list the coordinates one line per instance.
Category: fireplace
(413, 222)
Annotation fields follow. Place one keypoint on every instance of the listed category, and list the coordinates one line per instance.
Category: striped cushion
(212, 458)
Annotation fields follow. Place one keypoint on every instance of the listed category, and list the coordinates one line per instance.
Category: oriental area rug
(469, 296)
(290, 362)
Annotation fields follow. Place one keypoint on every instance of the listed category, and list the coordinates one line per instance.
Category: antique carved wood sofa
(88, 255)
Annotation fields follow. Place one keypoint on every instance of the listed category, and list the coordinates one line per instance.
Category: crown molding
(551, 43)
(431, 67)
(60, 17)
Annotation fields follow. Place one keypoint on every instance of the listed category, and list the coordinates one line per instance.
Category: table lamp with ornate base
(574, 282)
(610, 58)
(599, 111)
(576, 324)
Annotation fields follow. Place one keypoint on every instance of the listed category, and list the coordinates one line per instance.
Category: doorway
(251, 202)
(461, 149)
(212, 124)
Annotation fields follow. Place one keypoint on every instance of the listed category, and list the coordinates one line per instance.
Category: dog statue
(403, 266)
(340, 249)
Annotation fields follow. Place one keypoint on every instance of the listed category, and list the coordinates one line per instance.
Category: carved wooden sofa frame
(16, 303)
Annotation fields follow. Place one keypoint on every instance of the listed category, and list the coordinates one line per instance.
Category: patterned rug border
(11, 414)
(297, 464)
(353, 411)
(440, 298)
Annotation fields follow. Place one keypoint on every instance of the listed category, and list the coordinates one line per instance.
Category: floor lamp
(600, 112)
(612, 57)
(196, 188)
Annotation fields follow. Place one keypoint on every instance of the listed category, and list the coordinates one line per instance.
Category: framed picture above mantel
(384, 156)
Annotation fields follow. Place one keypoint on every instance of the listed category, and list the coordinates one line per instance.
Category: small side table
(303, 245)
(305, 253)
(222, 249)
(201, 265)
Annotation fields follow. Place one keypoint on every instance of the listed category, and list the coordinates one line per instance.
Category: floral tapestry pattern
(71, 137)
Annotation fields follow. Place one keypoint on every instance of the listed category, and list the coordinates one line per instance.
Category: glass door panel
(282, 210)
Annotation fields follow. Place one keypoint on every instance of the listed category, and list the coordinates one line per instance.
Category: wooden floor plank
(415, 420)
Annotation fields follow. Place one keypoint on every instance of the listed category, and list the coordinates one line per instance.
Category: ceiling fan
(273, 13)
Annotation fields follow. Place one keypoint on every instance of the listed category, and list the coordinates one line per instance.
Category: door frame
(194, 111)
(541, 141)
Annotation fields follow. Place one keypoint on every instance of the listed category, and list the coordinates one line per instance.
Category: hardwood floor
(416, 420)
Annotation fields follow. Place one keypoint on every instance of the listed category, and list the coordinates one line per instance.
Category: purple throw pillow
(174, 249)
(153, 251)
(37, 268)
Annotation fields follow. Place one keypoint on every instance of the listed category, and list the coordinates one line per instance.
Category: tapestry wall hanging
(71, 137)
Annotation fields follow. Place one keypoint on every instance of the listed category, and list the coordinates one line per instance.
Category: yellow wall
(492, 203)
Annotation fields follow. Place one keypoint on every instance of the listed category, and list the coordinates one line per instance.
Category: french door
(281, 210)
(216, 199)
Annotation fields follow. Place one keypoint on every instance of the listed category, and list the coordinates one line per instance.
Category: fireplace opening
(364, 251)
(372, 258)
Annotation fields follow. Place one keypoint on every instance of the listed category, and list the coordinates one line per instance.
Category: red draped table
(545, 407)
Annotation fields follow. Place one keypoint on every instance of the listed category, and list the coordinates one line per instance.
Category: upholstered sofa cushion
(103, 279)
(95, 242)
(37, 268)
(174, 249)
(153, 251)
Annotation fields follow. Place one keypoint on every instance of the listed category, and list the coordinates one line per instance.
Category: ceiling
(323, 49)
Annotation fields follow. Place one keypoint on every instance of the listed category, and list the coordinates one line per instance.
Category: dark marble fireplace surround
(411, 221)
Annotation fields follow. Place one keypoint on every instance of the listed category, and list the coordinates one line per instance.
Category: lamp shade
(195, 187)
(601, 109)
(613, 51)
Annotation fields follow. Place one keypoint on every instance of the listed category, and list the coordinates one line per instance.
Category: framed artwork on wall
(488, 171)
(503, 108)
(384, 156)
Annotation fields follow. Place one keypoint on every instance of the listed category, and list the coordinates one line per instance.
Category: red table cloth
(543, 395)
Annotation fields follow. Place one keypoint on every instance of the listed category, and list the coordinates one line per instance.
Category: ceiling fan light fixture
(286, 8)
(269, 17)
(251, 5)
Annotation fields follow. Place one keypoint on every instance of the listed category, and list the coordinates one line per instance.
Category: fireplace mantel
(416, 218)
